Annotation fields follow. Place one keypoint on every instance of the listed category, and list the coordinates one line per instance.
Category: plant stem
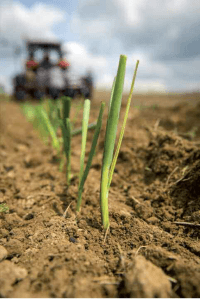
(78, 108)
(50, 128)
(68, 149)
(86, 113)
(111, 130)
(66, 107)
(79, 130)
(123, 127)
(91, 155)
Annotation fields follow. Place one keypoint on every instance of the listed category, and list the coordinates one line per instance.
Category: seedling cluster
(4, 208)
(49, 116)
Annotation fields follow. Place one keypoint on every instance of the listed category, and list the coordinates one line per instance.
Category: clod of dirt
(186, 192)
(14, 247)
(10, 274)
(144, 280)
(162, 155)
(188, 280)
(12, 219)
(3, 253)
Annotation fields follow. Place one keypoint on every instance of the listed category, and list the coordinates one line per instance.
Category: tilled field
(152, 249)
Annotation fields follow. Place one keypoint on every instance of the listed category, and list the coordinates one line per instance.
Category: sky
(163, 34)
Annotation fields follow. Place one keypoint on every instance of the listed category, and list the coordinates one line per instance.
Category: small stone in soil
(73, 240)
(28, 216)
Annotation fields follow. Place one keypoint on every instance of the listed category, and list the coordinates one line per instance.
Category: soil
(152, 248)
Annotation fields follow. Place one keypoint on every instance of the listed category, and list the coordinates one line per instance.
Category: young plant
(44, 117)
(66, 101)
(29, 111)
(79, 130)
(77, 109)
(66, 132)
(35, 115)
(109, 161)
(4, 208)
(65, 125)
(86, 113)
(73, 133)
(114, 161)
(111, 130)
(51, 106)
(91, 155)
(40, 125)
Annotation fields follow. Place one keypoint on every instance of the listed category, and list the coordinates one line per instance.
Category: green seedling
(78, 108)
(4, 208)
(66, 107)
(112, 92)
(44, 117)
(40, 125)
(54, 115)
(114, 161)
(86, 113)
(79, 130)
(73, 133)
(91, 155)
(29, 111)
(111, 130)
(65, 125)
(48, 124)
(66, 132)
(33, 114)
(109, 161)
(50, 106)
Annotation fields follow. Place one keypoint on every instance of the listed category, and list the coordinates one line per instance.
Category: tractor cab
(47, 54)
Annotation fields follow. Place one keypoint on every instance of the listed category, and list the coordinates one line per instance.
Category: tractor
(48, 75)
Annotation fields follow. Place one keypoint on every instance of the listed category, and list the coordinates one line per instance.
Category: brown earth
(156, 185)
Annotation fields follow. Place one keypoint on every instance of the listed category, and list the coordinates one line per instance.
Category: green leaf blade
(68, 149)
(112, 168)
(86, 113)
(111, 130)
(66, 107)
(50, 128)
(79, 130)
(91, 155)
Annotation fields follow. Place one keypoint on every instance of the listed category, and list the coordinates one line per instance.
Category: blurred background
(162, 34)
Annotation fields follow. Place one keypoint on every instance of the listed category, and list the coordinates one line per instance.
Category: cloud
(81, 61)
(105, 69)
(18, 22)
(164, 35)
(169, 28)
(81, 58)
(6, 84)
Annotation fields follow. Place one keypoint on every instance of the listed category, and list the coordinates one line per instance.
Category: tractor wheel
(19, 95)
(38, 94)
(86, 92)
(69, 92)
